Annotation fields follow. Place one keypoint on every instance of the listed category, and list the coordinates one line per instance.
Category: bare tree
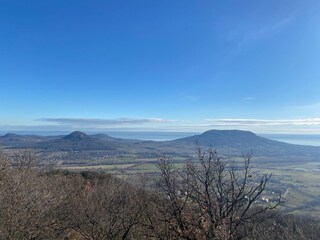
(211, 198)
(31, 202)
(106, 208)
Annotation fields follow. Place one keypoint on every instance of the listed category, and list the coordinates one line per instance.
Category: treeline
(210, 198)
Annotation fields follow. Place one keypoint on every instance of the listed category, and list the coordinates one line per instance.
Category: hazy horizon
(300, 139)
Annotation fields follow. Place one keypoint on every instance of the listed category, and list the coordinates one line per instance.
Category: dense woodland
(209, 198)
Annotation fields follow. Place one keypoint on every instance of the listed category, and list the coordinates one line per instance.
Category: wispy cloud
(267, 30)
(303, 125)
(247, 99)
(264, 122)
(251, 34)
(94, 122)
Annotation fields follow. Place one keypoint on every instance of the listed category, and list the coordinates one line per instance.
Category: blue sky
(160, 65)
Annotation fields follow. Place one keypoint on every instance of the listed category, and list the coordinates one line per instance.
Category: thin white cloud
(259, 33)
(264, 122)
(95, 122)
(296, 126)
(247, 99)
(302, 125)
(249, 35)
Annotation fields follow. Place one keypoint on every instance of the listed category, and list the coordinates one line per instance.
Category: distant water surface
(301, 139)
(154, 136)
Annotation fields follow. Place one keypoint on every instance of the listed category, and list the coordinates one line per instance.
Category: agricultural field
(298, 183)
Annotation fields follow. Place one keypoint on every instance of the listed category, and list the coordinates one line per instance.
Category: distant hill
(15, 140)
(12, 137)
(239, 142)
(227, 142)
(106, 137)
(76, 136)
(218, 138)
(76, 141)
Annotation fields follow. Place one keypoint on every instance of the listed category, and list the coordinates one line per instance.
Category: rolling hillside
(236, 141)
(227, 142)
